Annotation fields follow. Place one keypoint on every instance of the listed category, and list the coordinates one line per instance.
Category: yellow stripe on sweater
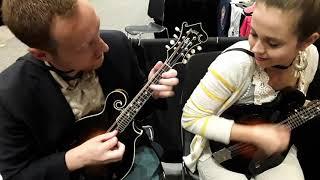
(210, 94)
(204, 126)
(188, 115)
(222, 80)
(200, 107)
(190, 123)
(228, 102)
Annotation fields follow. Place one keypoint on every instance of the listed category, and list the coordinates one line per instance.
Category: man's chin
(98, 65)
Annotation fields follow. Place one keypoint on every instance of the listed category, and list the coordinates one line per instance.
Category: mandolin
(182, 48)
(247, 159)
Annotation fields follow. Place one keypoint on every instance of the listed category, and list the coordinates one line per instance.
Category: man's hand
(102, 149)
(168, 80)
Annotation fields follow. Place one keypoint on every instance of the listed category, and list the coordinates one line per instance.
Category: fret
(190, 37)
(140, 99)
(303, 115)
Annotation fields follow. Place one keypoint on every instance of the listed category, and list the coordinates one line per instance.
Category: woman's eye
(254, 35)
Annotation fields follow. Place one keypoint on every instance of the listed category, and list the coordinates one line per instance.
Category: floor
(114, 14)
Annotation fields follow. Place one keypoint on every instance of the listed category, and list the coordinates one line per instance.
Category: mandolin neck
(131, 110)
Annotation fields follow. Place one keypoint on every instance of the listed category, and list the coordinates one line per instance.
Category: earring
(300, 63)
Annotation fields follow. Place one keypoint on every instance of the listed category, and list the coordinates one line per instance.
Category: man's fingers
(109, 135)
(111, 143)
(165, 84)
(164, 94)
(158, 87)
(169, 82)
(156, 67)
(172, 73)
(115, 154)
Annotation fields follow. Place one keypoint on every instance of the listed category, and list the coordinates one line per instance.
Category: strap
(240, 49)
(252, 55)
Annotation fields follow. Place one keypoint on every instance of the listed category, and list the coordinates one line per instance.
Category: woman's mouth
(261, 58)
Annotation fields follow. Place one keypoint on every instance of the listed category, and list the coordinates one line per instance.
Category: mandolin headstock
(186, 44)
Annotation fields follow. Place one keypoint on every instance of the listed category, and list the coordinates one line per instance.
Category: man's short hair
(30, 20)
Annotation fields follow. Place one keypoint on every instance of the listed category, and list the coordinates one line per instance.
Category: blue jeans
(146, 165)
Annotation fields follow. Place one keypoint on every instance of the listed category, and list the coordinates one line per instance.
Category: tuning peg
(167, 47)
(172, 42)
(193, 51)
(175, 36)
(177, 29)
(184, 61)
(199, 48)
(188, 56)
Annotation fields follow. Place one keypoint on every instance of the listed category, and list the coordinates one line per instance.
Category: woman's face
(272, 38)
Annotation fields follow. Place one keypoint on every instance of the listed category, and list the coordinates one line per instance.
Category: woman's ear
(310, 40)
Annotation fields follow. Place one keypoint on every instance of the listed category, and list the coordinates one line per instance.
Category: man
(66, 76)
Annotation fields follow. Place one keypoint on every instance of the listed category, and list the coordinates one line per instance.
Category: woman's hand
(271, 138)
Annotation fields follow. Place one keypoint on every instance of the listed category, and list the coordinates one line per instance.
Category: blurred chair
(195, 70)
(155, 11)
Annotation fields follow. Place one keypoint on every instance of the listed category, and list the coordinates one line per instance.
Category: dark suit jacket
(35, 116)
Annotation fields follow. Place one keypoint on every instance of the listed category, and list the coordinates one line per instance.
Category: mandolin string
(292, 121)
(144, 96)
(289, 121)
(118, 122)
(123, 118)
(234, 148)
(134, 106)
(123, 121)
(309, 113)
(240, 147)
(302, 116)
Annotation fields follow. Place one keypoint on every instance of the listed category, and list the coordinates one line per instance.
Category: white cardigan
(227, 80)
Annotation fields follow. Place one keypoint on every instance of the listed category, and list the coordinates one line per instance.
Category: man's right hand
(102, 149)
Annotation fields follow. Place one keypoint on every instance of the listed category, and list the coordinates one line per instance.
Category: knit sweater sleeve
(223, 78)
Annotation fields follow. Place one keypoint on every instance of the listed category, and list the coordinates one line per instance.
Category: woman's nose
(258, 47)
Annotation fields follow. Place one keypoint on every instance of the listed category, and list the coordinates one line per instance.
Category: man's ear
(39, 54)
(310, 40)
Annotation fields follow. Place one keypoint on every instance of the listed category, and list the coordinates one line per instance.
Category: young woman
(281, 39)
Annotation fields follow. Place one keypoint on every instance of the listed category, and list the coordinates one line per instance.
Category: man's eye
(273, 45)
(91, 43)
